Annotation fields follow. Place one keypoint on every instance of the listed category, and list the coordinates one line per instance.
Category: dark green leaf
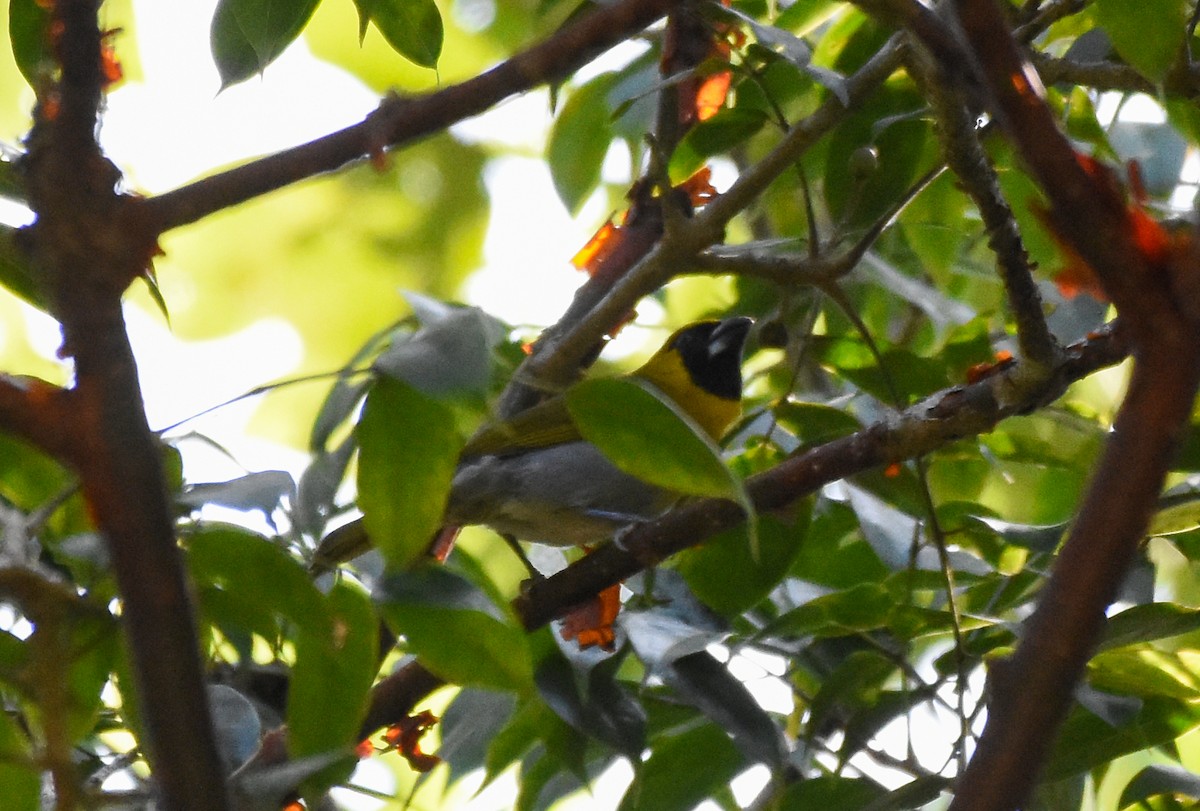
(469, 725)
(1146, 33)
(16, 272)
(436, 610)
(1087, 741)
(708, 685)
(248, 35)
(1148, 623)
(714, 136)
(830, 791)
(29, 32)
(605, 712)
(728, 579)
(684, 770)
(412, 27)
(409, 447)
(526, 726)
(327, 695)
(815, 424)
(579, 141)
(904, 375)
(1037, 538)
(20, 780)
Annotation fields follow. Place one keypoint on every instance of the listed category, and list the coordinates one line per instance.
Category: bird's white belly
(565, 494)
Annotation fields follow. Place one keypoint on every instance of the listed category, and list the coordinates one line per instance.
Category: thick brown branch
(1154, 282)
(86, 259)
(1032, 691)
(401, 120)
(1088, 212)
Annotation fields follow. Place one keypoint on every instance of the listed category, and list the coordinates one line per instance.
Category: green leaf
(409, 449)
(29, 32)
(728, 579)
(454, 628)
(413, 28)
(16, 272)
(1148, 623)
(905, 375)
(1086, 741)
(452, 352)
(1140, 670)
(1040, 538)
(716, 135)
(683, 770)
(20, 781)
(248, 35)
(518, 736)
(804, 16)
(815, 424)
(830, 791)
(647, 436)
(333, 673)
(258, 573)
(1157, 779)
(579, 141)
(1146, 33)
(861, 608)
(1178, 509)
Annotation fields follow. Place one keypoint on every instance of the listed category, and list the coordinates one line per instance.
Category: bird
(534, 478)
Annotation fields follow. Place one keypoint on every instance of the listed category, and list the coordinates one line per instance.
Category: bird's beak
(729, 336)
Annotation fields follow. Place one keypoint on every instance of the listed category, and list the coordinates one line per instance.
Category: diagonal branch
(400, 120)
(922, 428)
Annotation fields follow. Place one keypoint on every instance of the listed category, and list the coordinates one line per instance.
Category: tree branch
(87, 257)
(965, 156)
(925, 427)
(944, 417)
(1156, 287)
(400, 120)
(555, 366)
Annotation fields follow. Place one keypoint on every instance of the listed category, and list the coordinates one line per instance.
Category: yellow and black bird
(536, 479)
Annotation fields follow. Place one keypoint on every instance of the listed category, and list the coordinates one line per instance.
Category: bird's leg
(515, 546)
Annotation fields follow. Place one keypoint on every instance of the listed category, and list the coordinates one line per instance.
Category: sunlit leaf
(648, 437)
(579, 141)
(409, 448)
(1146, 33)
(437, 610)
(1087, 741)
(334, 668)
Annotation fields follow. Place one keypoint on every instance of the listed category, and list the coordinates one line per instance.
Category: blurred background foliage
(834, 654)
